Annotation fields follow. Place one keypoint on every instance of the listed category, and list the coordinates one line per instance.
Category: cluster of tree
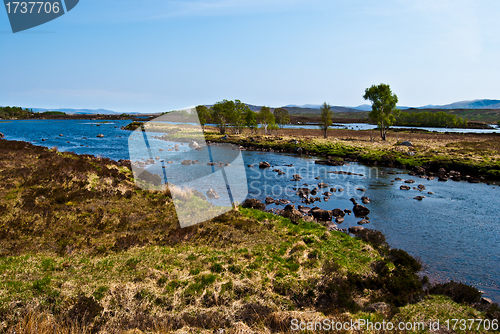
(434, 119)
(60, 113)
(15, 113)
(235, 115)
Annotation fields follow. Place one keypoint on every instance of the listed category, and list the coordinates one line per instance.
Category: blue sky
(158, 55)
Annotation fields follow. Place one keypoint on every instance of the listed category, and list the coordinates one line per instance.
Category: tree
(384, 109)
(281, 117)
(251, 120)
(273, 127)
(326, 117)
(203, 115)
(221, 113)
(237, 119)
(265, 117)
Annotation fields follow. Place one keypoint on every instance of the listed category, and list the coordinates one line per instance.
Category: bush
(459, 292)
(402, 260)
(376, 238)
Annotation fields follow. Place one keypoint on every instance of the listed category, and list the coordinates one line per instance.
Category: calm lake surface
(455, 231)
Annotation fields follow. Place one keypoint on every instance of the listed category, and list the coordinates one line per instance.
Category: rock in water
(264, 164)
(186, 162)
(403, 187)
(363, 221)
(320, 214)
(303, 192)
(270, 200)
(100, 135)
(360, 210)
(338, 213)
(355, 229)
(212, 194)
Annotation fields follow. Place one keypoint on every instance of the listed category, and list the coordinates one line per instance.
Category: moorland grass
(84, 250)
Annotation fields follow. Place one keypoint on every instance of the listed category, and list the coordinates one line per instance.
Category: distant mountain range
(308, 108)
(81, 111)
(474, 104)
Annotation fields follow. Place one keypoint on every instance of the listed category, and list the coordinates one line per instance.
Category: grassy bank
(473, 154)
(83, 250)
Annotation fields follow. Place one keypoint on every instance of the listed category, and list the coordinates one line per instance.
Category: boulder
(193, 144)
(363, 221)
(270, 200)
(338, 213)
(419, 198)
(304, 209)
(360, 210)
(2, 136)
(303, 192)
(339, 220)
(410, 181)
(380, 307)
(264, 164)
(212, 194)
(251, 166)
(296, 177)
(355, 229)
(421, 187)
(292, 213)
(314, 192)
(282, 201)
(298, 150)
(100, 135)
(319, 214)
(322, 185)
(486, 301)
(254, 204)
(406, 143)
(365, 200)
(186, 162)
(403, 187)
(442, 178)
(419, 170)
(333, 190)
(348, 211)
